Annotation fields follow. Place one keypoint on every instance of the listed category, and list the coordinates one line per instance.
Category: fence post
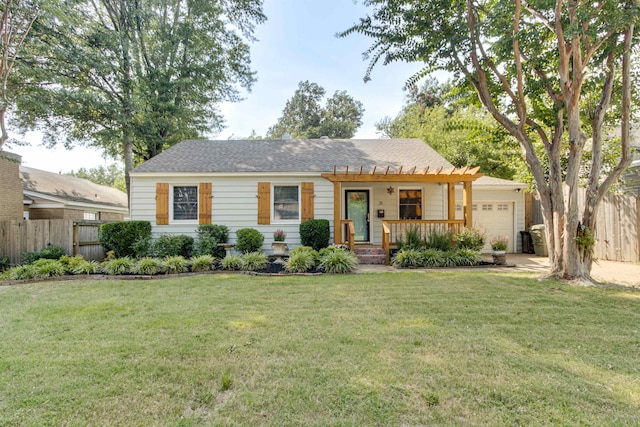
(75, 239)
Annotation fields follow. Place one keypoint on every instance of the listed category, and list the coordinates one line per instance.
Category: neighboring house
(10, 187)
(378, 186)
(49, 195)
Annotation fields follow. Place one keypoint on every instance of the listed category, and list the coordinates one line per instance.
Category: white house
(367, 189)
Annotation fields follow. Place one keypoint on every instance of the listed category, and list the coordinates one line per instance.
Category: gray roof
(294, 155)
(70, 188)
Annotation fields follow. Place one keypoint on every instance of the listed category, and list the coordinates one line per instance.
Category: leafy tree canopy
(304, 116)
(553, 74)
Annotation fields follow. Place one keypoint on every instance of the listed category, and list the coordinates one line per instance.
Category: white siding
(497, 195)
(234, 204)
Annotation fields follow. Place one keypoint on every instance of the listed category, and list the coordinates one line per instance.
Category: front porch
(402, 200)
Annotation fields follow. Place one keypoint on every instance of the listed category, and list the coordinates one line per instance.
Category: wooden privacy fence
(617, 226)
(75, 237)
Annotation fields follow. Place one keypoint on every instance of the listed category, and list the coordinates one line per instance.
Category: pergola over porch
(450, 177)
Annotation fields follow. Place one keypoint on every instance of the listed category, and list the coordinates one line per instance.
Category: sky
(296, 43)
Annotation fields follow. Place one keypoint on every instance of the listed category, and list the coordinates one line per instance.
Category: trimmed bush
(315, 233)
(253, 261)
(123, 265)
(150, 266)
(176, 264)
(170, 245)
(470, 238)
(232, 262)
(143, 247)
(203, 263)
(121, 236)
(48, 252)
(249, 240)
(339, 261)
(208, 238)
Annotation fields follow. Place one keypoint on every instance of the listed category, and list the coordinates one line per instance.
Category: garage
(496, 217)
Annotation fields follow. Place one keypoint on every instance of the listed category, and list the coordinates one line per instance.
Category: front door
(357, 210)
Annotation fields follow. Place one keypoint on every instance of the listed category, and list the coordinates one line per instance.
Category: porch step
(370, 255)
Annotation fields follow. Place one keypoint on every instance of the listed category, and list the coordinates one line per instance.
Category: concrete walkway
(620, 273)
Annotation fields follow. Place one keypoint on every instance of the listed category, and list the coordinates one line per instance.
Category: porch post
(337, 227)
(451, 203)
(467, 203)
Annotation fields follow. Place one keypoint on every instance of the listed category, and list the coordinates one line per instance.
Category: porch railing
(394, 229)
(348, 230)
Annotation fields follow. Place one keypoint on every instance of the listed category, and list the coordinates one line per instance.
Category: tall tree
(304, 116)
(546, 72)
(136, 76)
(16, 22)
(111, 176)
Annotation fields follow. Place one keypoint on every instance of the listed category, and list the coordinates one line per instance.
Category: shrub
(209, 235)
(48, 252)
(48, 267)
(408, 258)
(411, 239)
(315, 233)
(253, 261)
(148, 265)
(439, 239)
(143, 247)
(120, 236)
(339, 261)
(499, 243)
(176, 264)
(171, 245)
(123, 265)
(451, 259)
(4, 263)
(301, 261)
(70, 262)
(249, 240)
(22, 272)
(203, 263)
(468, 256)
(232, 262)
(470, 238)
(87, 267)
(432, 258)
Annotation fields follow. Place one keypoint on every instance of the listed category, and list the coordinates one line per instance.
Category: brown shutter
(264, 203)
(204, 203)
(162, 203)
(307, 201)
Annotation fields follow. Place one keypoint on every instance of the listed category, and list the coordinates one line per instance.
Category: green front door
(357, 210)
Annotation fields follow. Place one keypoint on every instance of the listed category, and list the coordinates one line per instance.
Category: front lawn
(411, 348)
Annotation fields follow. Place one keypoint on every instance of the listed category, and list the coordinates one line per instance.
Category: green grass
(434, 348)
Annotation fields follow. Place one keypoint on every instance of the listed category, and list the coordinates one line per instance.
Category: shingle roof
(294, 155)
(70, 188)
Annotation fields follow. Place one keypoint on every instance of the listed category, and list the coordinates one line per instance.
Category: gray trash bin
(539, 238)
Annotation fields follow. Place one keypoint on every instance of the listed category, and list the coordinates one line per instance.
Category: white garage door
(495, 217)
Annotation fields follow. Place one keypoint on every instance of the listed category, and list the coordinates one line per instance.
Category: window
(90, 216)
(185, 202)
(286, 202)
(503, 207)
(410, 204)
(487, 207)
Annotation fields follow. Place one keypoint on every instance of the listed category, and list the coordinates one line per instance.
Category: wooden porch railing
(394, 229)
(349, 231)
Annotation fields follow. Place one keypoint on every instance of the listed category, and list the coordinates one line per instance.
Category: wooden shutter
(162, 203)
(264, 203)
(307, 201)
(204, 203)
